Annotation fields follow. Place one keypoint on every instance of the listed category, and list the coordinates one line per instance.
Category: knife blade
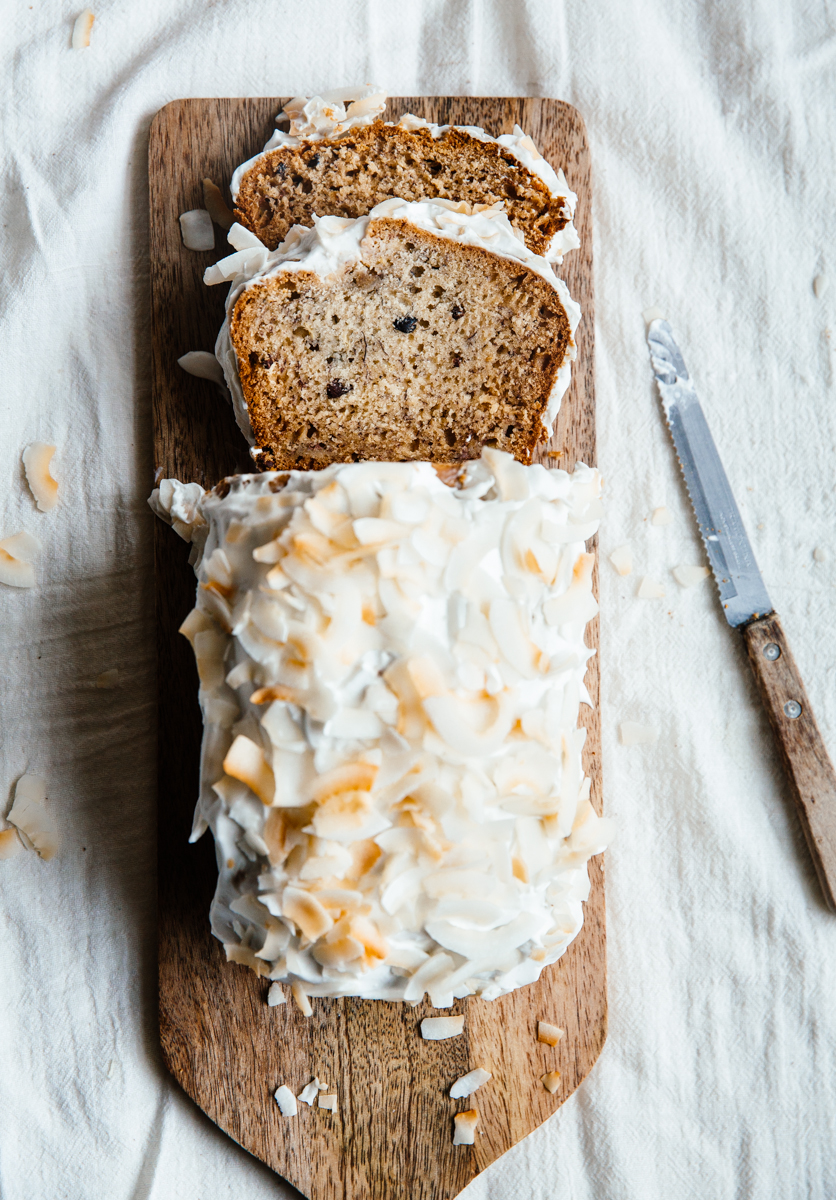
(746, 605)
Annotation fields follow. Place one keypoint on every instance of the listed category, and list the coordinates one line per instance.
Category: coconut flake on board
(276, 996)
(328, 1102)
(216, 206)
(550, 1034)
(468, 1084)
(37, 460)
(437, 1029)
(197, 230)
(551, 1081)
(310, 1092)
(464, 1127)
(286, 1101)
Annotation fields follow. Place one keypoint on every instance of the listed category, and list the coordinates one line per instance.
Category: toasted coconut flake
(286, 1101)
(197, 229)
(42, 484)
(301, 997)
(688, 577)
(550, 1034)
(464, 1127)
(15, 573)
(310, 1092)
(661, 516)
(82, 29)
(276, 996)
(467, 1084)
(305, 910)
(31, 816)
(25, 547)
(436, 1029)
(329, 1102)
(632, 733)
(551, 1081)
(245, 761)
(216, 206)
(650, 589)
(622, 559)
(202, 365)
(108, 679)
(10, 843)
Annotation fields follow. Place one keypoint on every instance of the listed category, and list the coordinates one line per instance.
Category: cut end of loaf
(426, 350)
(348, 176)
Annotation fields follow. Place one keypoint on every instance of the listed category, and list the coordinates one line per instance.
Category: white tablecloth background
(714, 147)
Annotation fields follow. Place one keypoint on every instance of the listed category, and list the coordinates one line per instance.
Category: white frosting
(317, 118)
(390, 674)
(334, 243)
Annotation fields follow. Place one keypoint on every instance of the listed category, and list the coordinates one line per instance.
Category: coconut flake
(310, 1092)
(551, 1081)
(276, 996)
(245, 761)
(82, 29)
(286, 1101)
(36, 463)
(622, 559)
(10, 843)
(13, 572)
(690, 576)
(203, 365)
(197, 229)
(464, 1127)
(301, 997)
(108, 679)
(631, 733)
(820, 286)
(216, 206)
(32, 818)
(650, 589)
(661, 516)
(328, 1102)
(467, 1084)
(436, 1029)
(550, 1034)
(653, 314)
(25, 547)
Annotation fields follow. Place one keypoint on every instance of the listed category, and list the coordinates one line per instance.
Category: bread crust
(348, 176)
(335, 370)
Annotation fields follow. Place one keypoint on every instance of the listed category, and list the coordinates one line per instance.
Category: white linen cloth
(714, 152)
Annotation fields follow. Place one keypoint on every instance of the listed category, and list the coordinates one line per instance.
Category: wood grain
(809, 769)
(392, 1137)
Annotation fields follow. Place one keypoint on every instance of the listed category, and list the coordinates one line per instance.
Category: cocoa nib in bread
(349, 175)
(424, 349)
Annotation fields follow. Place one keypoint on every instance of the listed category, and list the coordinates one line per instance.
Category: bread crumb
(467, 1084)
(690, 576)
(622, 559)
(197, 229)
(550, 1034)
(276, 996)
(108, 679)
(301, 997)
(436, 1029)
(286, 1101)
(464, 1127)
(650, 589)
(661, 516)
(631, 733)
(551, 1081)
(82, 29)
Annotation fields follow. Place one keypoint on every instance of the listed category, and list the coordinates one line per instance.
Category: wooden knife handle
(808, 766)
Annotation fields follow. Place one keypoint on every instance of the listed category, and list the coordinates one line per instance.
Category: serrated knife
(747, 606)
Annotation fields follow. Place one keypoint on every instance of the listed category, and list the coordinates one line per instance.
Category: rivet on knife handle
(808, 766)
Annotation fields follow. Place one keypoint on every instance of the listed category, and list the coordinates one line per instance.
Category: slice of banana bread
(346, 168)
(421, 332)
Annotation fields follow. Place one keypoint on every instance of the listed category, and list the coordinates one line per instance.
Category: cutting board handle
(808, 766)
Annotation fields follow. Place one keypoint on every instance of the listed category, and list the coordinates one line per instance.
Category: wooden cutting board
(392, 1136)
